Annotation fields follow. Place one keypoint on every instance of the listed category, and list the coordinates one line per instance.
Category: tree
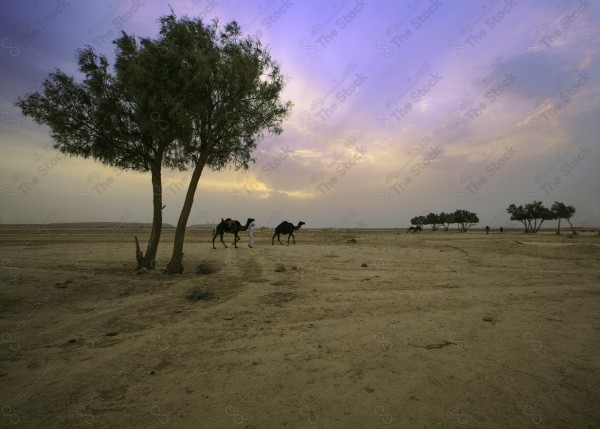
(537, 212)
(562, 211)
(432, 219)
(530, 215)
(418, 221)
(119, 117)
(518, 213)
(445, 220)
(465, 219)
(232, 98)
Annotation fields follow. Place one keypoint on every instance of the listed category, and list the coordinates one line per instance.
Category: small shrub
(197, 294)
(125, 292)
(206, 267)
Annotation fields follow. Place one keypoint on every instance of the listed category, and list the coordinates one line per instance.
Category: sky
(400, 108)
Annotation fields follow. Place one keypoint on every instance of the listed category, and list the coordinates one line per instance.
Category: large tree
(538, 213)
(465, 219)
(232, 96)
(444, 220)
(532, 215)
(562, 211)
(518, 213)
(418, 220)
(129, 118)
(433, 219)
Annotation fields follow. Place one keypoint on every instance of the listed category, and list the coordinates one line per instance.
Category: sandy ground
(436, 330)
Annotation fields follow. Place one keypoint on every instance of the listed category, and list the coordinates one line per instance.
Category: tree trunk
(571, 225)
(175, 265)
(538, 226)
(150, 257)
(139, 256)
(558, 228)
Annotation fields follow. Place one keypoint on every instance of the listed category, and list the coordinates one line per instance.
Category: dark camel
(286, 228)
(414, 229)
(231, 227)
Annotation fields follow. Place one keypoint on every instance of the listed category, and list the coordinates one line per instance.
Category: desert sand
(344, 329)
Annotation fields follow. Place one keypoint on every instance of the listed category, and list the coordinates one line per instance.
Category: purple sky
(400, 108)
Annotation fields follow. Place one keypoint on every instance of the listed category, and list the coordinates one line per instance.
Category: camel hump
(284, 225)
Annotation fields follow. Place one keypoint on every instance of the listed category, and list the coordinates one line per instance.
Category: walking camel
(286, 227)
(231, 227)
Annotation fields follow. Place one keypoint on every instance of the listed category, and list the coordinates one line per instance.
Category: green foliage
(562, 211)
(463, 218)
(532, 215)
(198, 94)
(232, 88)
(433, 219)
(445, 219)
(418, 220)
(231, 97)
(116, 117)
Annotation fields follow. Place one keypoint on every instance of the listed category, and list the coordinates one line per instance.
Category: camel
(414, 229)
(231, 227)
(286, 228)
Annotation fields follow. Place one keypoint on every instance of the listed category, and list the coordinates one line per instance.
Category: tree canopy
(532, 215)
(463, 218)
(562, 211)
(128, 117)
(235, 100)
(196, 95)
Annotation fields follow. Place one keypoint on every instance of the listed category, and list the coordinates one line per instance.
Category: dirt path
(437, 330)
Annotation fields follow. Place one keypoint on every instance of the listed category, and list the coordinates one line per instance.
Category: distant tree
(536, 212)
(232, 97)
(418, 221)
(445, 220)
(518, 213)
(119, 117)
(562, 211)
(432, 219)
(532, 215)
(465, 219)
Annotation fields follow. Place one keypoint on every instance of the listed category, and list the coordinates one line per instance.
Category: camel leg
(279, 240)
(223, 241)
(235, 240)
(293, 238)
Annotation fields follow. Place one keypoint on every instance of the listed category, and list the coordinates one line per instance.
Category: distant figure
(251, 235)
(501, 230)
(487, 230)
